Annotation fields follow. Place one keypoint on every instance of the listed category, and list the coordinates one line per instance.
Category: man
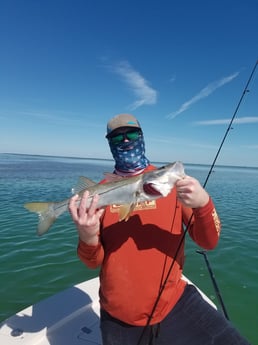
(143, 298)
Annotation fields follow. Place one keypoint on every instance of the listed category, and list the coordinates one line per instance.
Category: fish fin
(37, 207)
(46, 214)
(112, 177)
(83, 183)
(125, 211)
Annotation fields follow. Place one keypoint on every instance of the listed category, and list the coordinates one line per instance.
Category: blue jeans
(191, 322)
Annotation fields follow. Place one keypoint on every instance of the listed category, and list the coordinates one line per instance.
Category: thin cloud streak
(140, 86)
(205, 92)
(252, 147)
(241, 120)
(60, 118)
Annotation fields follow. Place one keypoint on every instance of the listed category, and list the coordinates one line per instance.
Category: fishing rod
(215, 285)
(230, 123)
(189, 222)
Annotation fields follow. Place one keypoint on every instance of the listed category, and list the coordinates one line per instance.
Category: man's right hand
(86, 219)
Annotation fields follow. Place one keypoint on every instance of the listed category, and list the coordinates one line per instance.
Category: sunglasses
(119, 138)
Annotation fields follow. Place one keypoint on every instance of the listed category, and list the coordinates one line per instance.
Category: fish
(124, 191)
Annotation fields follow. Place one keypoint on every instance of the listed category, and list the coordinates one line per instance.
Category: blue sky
(180, 67)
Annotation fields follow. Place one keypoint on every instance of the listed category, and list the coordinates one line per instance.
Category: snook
(126, 192)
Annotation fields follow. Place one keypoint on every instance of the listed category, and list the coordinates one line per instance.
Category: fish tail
(46, 214)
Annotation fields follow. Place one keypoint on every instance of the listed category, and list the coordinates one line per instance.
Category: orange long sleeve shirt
(135, 256)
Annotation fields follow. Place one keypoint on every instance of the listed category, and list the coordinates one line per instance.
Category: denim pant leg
(115, 332)
(193, 321)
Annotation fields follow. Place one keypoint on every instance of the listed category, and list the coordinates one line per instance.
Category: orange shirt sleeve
(92, 256)
(204, 226)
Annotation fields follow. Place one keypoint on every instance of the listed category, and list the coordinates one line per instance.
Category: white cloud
(140, 86)
(205, 92)
(241, 120)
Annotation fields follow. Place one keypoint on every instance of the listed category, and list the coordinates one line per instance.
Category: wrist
(89, 235)
(89, 240)
(205, 199)
(203, 211)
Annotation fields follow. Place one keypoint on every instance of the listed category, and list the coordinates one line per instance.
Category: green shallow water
(35, 267)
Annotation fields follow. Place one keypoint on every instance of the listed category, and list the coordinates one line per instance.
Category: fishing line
(190, 220)
(230, 124)
(214, 282)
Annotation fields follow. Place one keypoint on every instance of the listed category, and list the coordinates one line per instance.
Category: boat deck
(71, 317)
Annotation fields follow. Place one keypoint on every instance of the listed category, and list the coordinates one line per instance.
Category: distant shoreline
(111, 160)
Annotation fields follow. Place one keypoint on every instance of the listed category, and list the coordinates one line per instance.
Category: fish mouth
(149, 188)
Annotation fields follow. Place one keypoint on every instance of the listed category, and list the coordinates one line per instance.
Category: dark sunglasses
(119, 138)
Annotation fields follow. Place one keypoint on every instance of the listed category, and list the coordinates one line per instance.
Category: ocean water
(33, 268)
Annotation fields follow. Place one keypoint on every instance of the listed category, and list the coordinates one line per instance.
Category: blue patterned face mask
(129, 156)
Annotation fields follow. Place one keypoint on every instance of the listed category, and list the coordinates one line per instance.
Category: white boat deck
(70, 317)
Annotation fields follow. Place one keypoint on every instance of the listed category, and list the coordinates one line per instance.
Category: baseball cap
(122, 120)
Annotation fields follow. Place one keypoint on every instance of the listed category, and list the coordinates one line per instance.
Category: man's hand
(191, 193)
(86, 219)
